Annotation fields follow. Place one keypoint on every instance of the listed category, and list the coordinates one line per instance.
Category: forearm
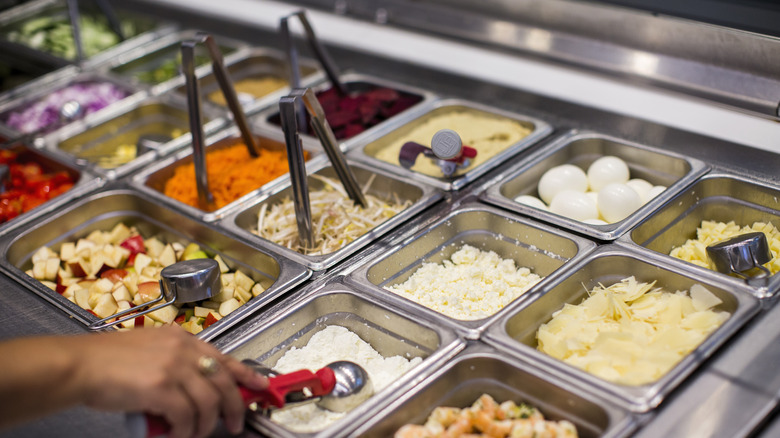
(38, 377)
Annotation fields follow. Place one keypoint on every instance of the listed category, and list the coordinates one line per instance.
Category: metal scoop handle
(740, 254)
(320, 383)
(319, 50)
(182, 282)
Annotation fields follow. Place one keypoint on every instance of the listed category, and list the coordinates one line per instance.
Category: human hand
(156, 371)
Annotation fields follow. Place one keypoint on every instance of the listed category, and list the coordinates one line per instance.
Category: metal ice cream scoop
(447, 151)
(740, 254)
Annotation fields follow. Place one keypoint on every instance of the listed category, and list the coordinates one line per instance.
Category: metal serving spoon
(740, 254)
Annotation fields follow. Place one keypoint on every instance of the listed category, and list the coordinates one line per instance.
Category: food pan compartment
(104, 210)
(480, 370)
(381, 185)
(582, 149)
(153, 179)
(520, 133)
(608, 265)
(388, 332)
(541, 249)
(716, 197)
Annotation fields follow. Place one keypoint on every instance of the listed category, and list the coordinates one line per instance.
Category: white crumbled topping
(332, 344)
(473, 284)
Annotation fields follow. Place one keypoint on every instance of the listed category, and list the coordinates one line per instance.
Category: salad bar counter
(532, 254)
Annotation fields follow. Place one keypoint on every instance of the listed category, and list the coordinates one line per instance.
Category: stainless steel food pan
(382, 185)
(582, 149)
(402, 126)
(133, 64)
(257, 63)
(84, 182)
(542, 249)
(354, 82)
(101, 211)
(151, 180)
(717, 197)
(515, 333)
(146, 28)
(479, 370)
(388, 332)
(84, 145)
(60, 82)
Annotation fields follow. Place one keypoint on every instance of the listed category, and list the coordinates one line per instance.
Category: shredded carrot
(232, 173)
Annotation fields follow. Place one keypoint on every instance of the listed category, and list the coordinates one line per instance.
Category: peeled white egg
(559, 178)
(607, 170)
(574, 205)
(655, 191)
(595, 222)
(617, 201)
(640, 186)
(532, 201)
(594, 196)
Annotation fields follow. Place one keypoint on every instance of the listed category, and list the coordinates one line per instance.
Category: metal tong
(288, 111)
(182, 282)
(319, 50)
(741, 254)
(205, 198)
(75, 24)
(447, 150)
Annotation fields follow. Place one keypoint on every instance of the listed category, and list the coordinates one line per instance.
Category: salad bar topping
(28, 184)
(110, 271)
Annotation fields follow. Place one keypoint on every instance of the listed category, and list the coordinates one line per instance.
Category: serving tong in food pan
(205, 198)
(741, 254)
(447, 151)
(339, 387)
(75, 23)
(187, 281)
(300, 188)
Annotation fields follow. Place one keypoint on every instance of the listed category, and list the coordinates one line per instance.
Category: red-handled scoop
(319, 384)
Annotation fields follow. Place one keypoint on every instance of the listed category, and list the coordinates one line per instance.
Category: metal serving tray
(80, 143)
(542, 249)
(84, 182)
(101, 211)
(148, 30)
(258, 62)
(582, 149)
(60, 82)
(388, 332)
(515, 333)
(165, 49)
(151, 180)
(353, 81)
(718, 197)
(389, 134)
(480, 369)
(384, 186)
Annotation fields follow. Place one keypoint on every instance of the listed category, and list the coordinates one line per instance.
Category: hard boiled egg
(532, 201)
(655, 191)
(640, 186)
(559, 178)
(617, 201)
(574, 205)
(607, 170)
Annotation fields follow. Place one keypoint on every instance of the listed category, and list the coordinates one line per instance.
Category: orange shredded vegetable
(232, 173)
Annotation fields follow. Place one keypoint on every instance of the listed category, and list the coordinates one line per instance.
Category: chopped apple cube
(78, 266)
(118, 234)
(223, 267)
(43, 254)
(82, 298)
(229, 306)
(225, 294)
(106, 306)
(147, 291)
(97, 237)
(242, 294)
(70, 290)
(257, 289)
(167, 256)
(228, 279)
(121, 293)
(154, 247)
(166, 315)
(50, 284)
(192, 327)
(39, 270)
(84, 247)
(52, 267)
(243, 281)
(202, 312)
(68, 251)
(141, 261)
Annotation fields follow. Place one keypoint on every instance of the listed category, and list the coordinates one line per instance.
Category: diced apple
(257, 289)
(192, 327)
(202, 312)
(84, 247)
(151, 271)
(146, 278)
(228, 279)
(131, 282)
(213, 305)
(39, 270)
(223, 267)
(67, 250)
(114, 275)
(86, 283)
(106, 306)
(242, 294)
(228, 306)
(167, 256)
(43, 254)
(166, 315)
(211, 319)
(225, 294)
(141, 261)
(82, 298)
(69, 291)
(103, 285)
(147, 291)
(52, 267)
(118, 234)
(120, 256)
(98, 237)
(96, 264)
(153, 247)
(243, 281)
(121, 293)
(78, 266)
(50, 284)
